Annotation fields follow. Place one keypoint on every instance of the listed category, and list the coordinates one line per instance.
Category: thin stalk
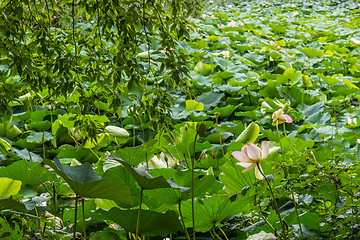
(133, 131)
(281, 147)
(297, 214)
(182, 221)
(218, 130)
(223, 233)
(139, 214)
(216, 235)
(269, 224)
(192, 187)
(43, 144)
(83, 217)
(284, 130)
(75, 216)
(292, 193)
(273, 196)
(42, 183)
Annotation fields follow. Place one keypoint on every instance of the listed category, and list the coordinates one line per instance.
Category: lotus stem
(192, 186)
(75, 216)
(273, 196)
(182, 221)
(292, 193)
(139, 214)
(223, 233)
(83, 217)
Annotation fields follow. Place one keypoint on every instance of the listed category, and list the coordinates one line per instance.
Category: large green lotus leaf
(213, 38)
(194, 105)
(202, 80)
(144, 179)
(221, 15)
(210, 99)
(132, 155)
(204, 69)
(256, 58)
(210, 214)
(40, 125)
(151, 223)
(126, 176)
(68, 152)
(202, 185)
(292, 75)
(39, 137)
(9, 203)
(85, 182)
(9, 187)
(233, 178)
(312, 52)
(20, 170)
(39, 115)
(25, 154)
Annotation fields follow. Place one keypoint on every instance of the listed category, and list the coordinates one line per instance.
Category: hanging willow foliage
(89, 49)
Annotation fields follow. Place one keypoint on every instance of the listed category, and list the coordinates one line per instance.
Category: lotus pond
(259, 139)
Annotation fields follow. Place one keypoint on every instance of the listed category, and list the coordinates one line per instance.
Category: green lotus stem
(297, 214)
(281, 147)
(75, 217)
(216, 235)
(83, 217)
(218, 130)
(269, 224)
(292, 193)
(54, 197)
(139, 214)
(133, 131)
(192, 186)
(284, 130)
(223, 233)
(273, 196)
(182, 221)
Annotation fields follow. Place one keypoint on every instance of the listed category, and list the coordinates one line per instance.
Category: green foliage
(115, 115)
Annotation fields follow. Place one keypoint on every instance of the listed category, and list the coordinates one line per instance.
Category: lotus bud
(286, 108)
(201, 127)
(117, 131)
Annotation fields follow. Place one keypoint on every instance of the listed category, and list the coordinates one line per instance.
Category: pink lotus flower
(242, 24)
(251, 156)
(222, 26)
(225, 54)
(278, 47)
(279, 117)
(272, 43)
(211, 1)
(230, 6)
(232, 23)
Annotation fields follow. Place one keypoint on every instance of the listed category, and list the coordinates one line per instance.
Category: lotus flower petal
(254, 152)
